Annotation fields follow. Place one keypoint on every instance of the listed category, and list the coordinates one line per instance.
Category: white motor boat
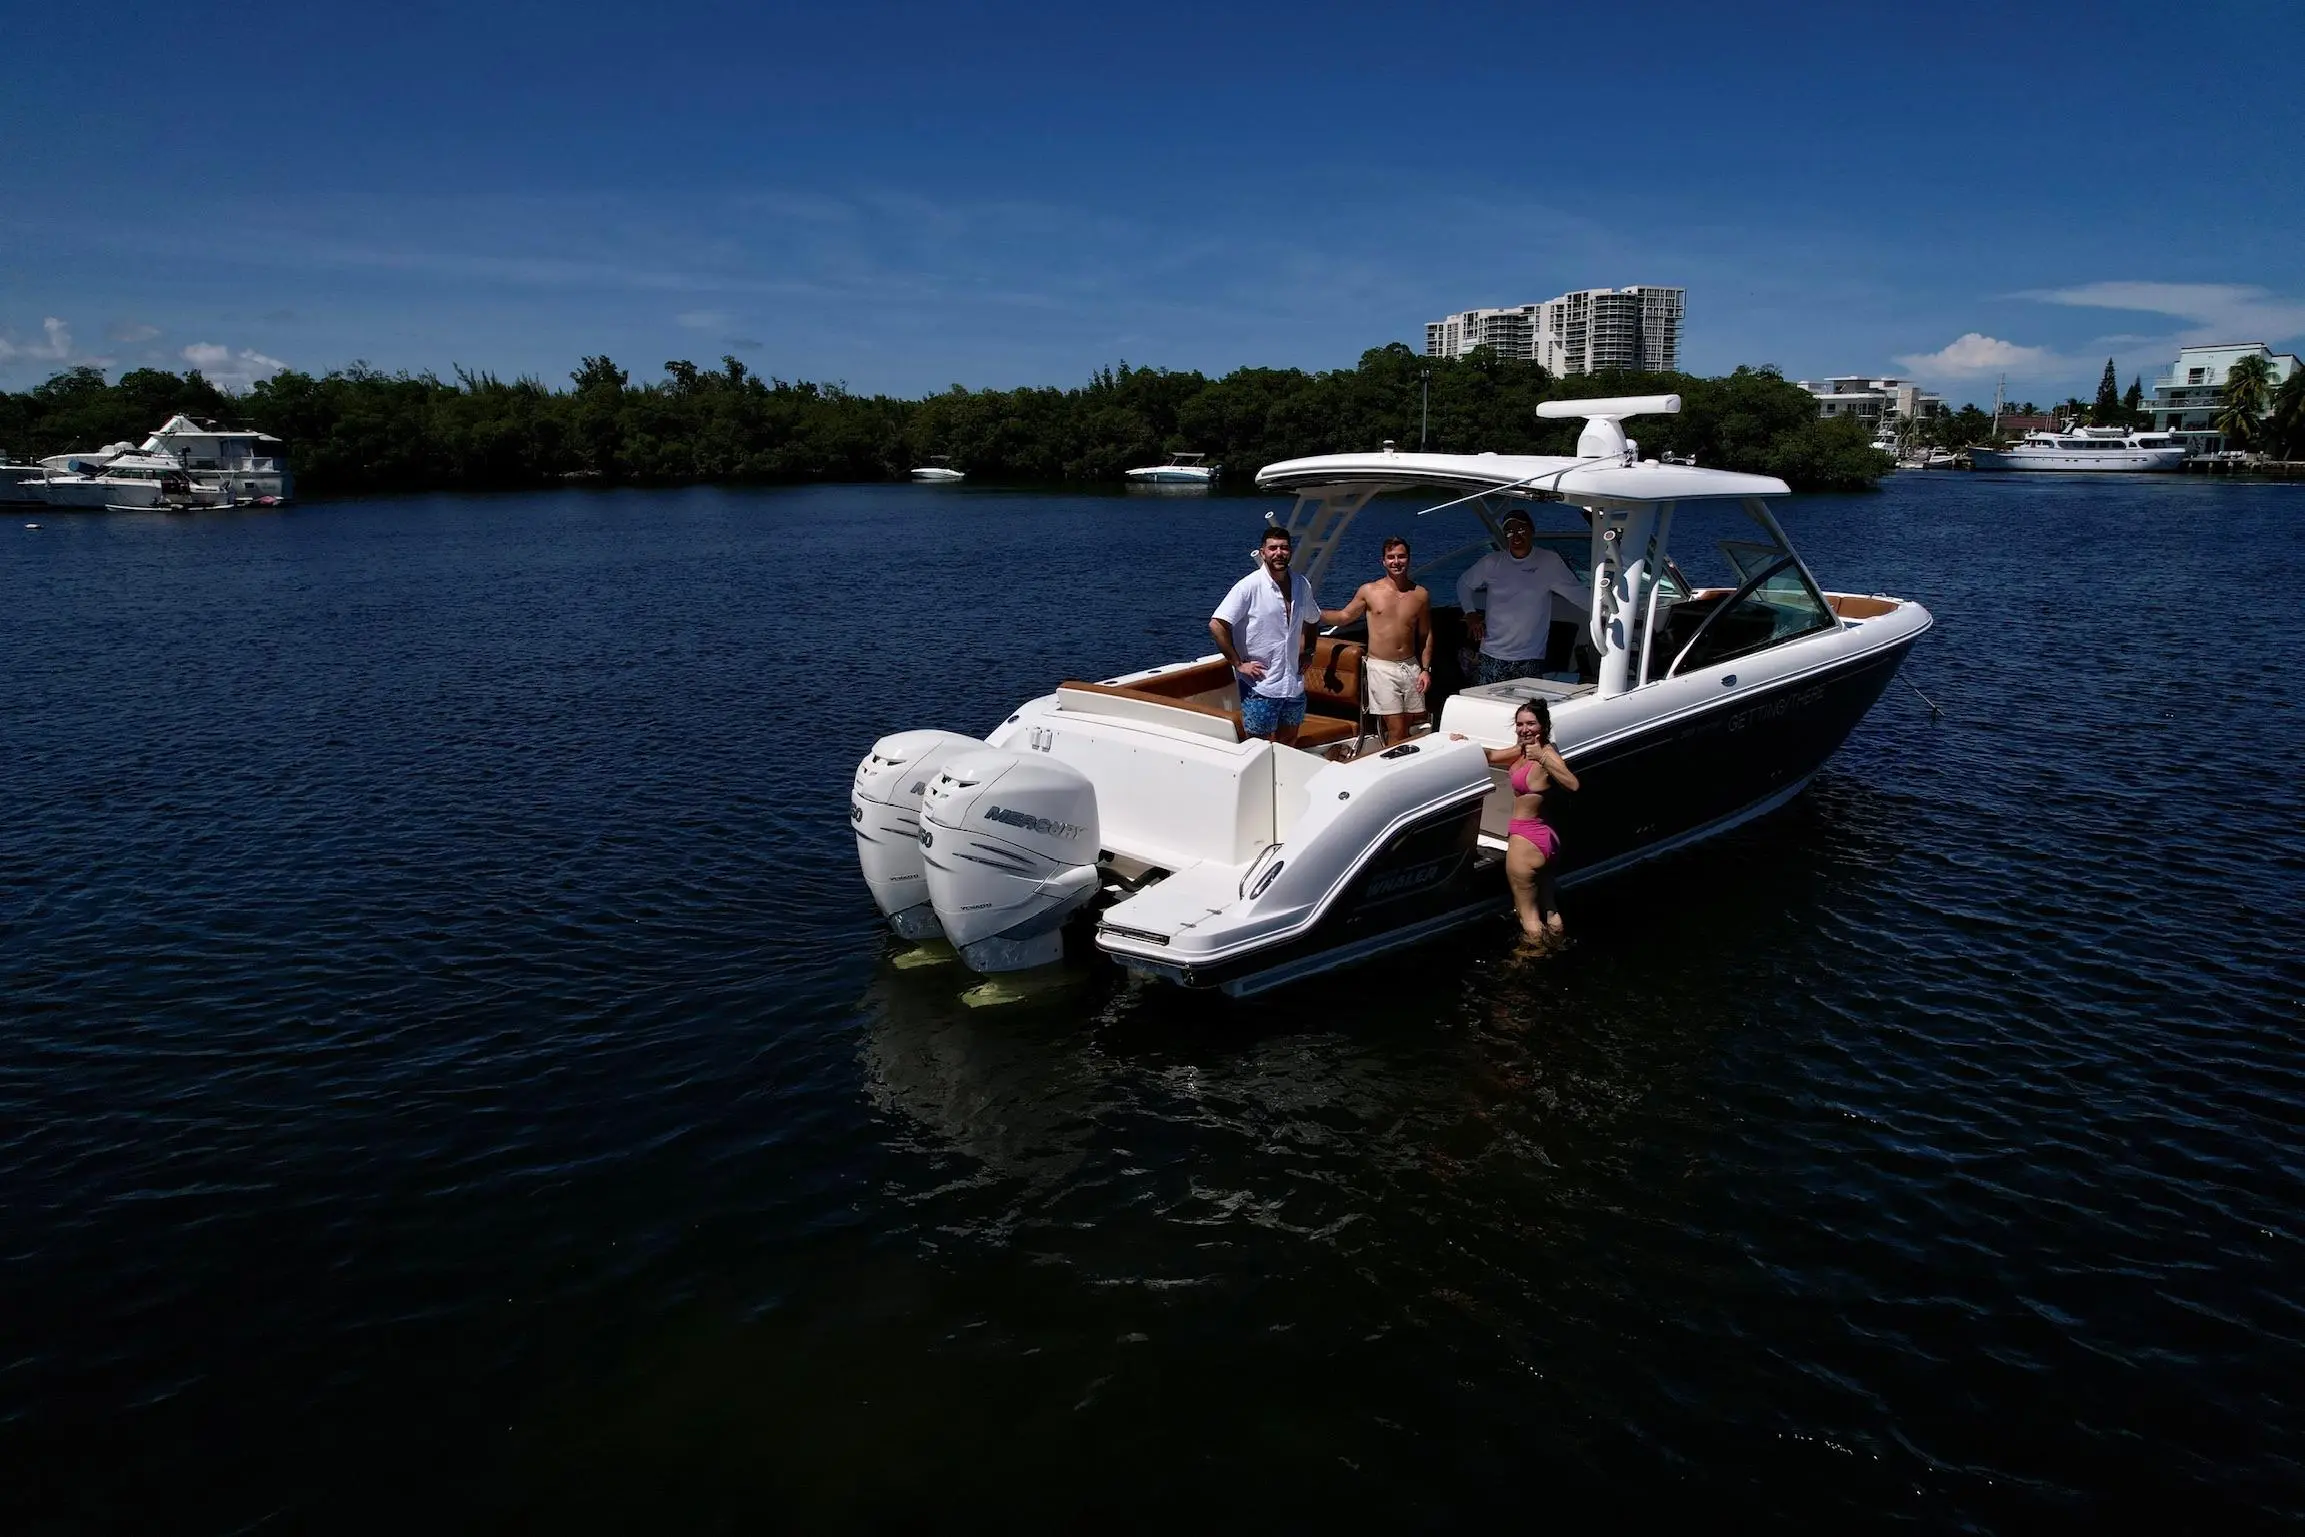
(2093, 450)
(1132, 810)
(938, 471)
(119, 478)
(1181, 470)
(246, 466)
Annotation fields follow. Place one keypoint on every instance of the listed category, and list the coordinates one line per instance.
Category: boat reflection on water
(1015, 1092)
(1114, 1078)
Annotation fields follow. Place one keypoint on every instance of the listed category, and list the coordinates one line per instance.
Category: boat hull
(1643, 795)
(2110, 461)
(97, 495)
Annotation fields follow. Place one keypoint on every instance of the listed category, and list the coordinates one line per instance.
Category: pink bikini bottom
(1537, 832)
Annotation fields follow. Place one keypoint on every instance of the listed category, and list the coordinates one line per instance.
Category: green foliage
(1957, 429)
(361, 429)
(2134, 401)
(2286, 435)
(2248, 388)
(2108, 410)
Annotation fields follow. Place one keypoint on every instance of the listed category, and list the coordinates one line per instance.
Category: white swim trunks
(1393, 688)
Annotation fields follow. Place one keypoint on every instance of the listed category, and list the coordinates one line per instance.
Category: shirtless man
(1400, 654)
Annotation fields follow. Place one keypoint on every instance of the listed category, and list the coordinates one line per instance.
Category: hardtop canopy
(1610, 482)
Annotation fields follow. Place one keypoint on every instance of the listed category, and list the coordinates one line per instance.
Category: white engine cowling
(1011, 846)
(884, 813)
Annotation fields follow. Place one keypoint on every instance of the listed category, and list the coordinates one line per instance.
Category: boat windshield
(1726, 594)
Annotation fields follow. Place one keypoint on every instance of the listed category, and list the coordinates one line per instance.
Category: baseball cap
(1520, 517)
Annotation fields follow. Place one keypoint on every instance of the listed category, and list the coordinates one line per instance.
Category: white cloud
(56, 349)
(224, 366)
(129, 331)
(2220, 312)
(704, 320)
(1974, 354)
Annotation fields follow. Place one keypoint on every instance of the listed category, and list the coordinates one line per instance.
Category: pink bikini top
(1520, 775)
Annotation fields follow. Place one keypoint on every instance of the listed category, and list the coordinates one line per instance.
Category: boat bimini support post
(1628, 538)
(1628, 552)
(1317, 525)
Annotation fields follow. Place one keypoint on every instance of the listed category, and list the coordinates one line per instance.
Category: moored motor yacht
(1181, 470)
(1133, 804)
(2092, 450)
(119, 478)
(246, 466)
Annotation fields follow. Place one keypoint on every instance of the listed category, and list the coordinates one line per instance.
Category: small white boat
(1133, 811)
(938, 471)
(2093, 450)
(1181, 470)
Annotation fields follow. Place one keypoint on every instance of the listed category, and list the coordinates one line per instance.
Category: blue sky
(904, 197)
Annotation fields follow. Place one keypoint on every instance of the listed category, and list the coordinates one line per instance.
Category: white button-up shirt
(1269, 628)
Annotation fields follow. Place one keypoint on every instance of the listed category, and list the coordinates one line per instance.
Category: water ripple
(450, 1064)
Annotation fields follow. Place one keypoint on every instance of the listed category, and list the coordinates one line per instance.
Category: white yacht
(250, 466)
(938, 471)
(1181, 470)
(121, 478)
(1131, 812)
(2095, 450)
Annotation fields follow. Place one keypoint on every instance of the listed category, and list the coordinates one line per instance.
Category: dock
(2263, 469)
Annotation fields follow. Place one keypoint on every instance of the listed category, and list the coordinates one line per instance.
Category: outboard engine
(1011, 845)
(884, 812)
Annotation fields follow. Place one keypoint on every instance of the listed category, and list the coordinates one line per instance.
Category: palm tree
(2289, 415)
(2248, 383)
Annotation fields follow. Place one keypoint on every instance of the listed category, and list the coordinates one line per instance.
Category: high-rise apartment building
(1511, 332)
(1583, 332)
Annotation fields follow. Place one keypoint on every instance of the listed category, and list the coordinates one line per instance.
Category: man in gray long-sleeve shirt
(1508, 597)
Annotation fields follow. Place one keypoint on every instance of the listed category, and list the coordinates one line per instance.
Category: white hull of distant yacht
(1192, 854)
(2088, 450)
(2130, 461)
(95, 492)
(1164, 475)
(1181, 470)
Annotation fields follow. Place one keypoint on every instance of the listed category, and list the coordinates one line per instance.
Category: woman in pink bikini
(1530, 842)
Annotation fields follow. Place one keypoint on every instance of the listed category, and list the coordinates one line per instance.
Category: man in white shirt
(1508, 598)
(1266, 627)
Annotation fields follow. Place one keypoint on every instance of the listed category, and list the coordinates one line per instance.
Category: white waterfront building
(2186, 400)
(1589, 330)
(1874, 401)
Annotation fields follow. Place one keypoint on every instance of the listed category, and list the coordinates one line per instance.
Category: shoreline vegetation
(359, 429)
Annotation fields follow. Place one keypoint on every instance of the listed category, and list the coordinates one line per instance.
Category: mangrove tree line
(360, 429)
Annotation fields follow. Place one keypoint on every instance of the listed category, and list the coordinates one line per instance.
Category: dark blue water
(451, 1074)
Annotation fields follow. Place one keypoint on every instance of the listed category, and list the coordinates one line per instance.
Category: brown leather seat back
(1333, 681)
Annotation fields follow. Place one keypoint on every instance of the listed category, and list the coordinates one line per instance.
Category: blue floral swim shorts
(1266, 717)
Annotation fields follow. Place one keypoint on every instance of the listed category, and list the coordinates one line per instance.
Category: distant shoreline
(359, 430)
